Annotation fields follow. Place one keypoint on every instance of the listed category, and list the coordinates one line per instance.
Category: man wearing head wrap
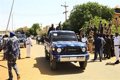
(12, 54)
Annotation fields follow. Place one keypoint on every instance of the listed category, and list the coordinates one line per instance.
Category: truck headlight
(83, 49)
(53, 49)
(59, 50)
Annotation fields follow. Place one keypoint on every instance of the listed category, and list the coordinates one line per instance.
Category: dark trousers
(112, 51)
(107, 53)
(12, 64)
(19, 57)
(96, 54)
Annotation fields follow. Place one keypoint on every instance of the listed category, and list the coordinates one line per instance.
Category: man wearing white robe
(28, 46)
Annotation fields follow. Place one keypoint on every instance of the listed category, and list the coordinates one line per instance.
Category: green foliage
(34, 28)
(114, 29)
(23, 29)
(66, 25)
(94, 21)
(85, 12)
(19, 29)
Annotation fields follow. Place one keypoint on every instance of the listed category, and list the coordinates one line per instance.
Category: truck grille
(71, 50)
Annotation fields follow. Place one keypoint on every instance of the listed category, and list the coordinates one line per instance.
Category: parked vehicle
(40, 40)
(63, 46)
(22, 39)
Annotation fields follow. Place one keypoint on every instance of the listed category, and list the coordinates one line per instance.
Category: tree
(35, 27)
(85, 12)
(19, 29)
(66, 25)
(23, 29)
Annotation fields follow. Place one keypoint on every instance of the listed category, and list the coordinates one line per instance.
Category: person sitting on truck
(51, 28)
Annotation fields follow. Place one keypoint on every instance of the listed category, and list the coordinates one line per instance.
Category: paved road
(37, 68)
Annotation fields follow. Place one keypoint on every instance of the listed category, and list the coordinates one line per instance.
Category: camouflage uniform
(12, 52)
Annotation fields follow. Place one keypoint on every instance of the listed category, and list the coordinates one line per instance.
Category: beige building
(4, 32)
(116, 16)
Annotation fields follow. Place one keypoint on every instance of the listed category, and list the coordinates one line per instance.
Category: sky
(44, 12)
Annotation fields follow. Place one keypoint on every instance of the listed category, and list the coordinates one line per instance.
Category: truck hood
(68, 44)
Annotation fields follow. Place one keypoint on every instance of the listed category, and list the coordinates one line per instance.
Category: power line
(9, 16)
(65, 6)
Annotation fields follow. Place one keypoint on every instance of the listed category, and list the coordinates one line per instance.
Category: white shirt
(117, 40)
(84, 39)
(29, 41)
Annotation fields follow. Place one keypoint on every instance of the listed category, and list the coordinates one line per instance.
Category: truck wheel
(83, 65)
(53, 64)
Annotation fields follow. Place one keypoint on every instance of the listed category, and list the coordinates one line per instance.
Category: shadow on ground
(110, 63)
(92, 61)
(22, 58)
(63, 68)
(3, 66)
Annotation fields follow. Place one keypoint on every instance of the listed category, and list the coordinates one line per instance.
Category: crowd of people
(102, 42)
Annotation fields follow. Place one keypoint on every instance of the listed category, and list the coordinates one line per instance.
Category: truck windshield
(63, 37)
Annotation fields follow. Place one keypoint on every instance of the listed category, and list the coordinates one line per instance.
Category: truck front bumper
(72, 58)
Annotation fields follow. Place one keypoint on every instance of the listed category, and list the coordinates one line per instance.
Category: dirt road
(37, 68)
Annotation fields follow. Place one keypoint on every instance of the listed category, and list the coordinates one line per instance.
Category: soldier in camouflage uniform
(12, 52)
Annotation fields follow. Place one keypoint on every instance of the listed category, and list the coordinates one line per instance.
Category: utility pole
(12, 22)
(9, 16)
(65, 6)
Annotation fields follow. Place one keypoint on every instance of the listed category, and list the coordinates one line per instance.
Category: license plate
(73, 58)
(63, 59)
(81, 58)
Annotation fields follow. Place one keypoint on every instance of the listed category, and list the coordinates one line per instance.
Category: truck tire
(53, 63)
(83, 65)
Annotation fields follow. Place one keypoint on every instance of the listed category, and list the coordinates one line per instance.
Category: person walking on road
(117, 47)
(12, 52)
(28, 46)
